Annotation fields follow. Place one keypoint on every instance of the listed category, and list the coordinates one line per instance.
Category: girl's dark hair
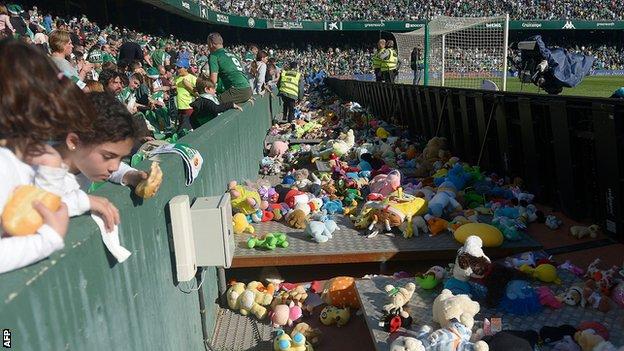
(37, 104)
(261, 54)
(112, 122)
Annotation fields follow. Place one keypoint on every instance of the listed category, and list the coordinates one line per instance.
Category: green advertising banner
(193, 9)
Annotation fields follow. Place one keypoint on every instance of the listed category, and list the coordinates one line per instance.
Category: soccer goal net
(457, 52)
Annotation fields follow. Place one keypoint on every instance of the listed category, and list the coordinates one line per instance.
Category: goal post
(457, 51)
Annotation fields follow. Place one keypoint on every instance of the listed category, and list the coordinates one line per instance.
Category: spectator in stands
(417, 64)
(159, 56)
(185, 87)
(258, 70)
(17, 22)
(6, 28)
(52, 106)
(130, 51)
(62, 47)
(207, 106)
(47, 23)
(227, 67)
(111, 80)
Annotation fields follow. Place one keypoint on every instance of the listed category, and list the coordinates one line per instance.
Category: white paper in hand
(111, 240)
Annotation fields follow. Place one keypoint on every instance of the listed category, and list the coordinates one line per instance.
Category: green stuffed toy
(270, 241)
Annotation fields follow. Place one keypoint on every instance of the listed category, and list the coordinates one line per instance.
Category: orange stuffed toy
(341, 292)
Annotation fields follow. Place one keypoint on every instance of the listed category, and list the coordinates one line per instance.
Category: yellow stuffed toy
(296, 342)
(243, 200)
(245, 299)
(544, 272)
(241, 225)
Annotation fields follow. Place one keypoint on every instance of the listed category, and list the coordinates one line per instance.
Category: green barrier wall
(81, 299)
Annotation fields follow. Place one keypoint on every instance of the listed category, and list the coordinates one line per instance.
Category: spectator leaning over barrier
(291, 88)
(28, 121)
(185, 88)
(207, 106)
(227, 67)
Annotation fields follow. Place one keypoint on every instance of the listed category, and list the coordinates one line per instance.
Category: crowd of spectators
(370, 10)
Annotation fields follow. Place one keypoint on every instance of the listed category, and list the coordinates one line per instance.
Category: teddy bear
(296, 219)
(399, 297)
(294, 342)
(285, 314)
(448, 307)
(243, 300)
(321, 231)
(581, 232)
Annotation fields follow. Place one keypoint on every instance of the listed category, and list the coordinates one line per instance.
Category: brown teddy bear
(297, 219)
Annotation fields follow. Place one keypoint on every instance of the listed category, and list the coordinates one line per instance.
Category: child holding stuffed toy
(50, 107)
(207, 106)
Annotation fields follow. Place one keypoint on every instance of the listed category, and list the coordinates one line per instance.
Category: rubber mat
(373, 297)
(349, 241)
(235, 332)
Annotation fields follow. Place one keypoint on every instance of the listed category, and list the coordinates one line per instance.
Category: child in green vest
(207, 106)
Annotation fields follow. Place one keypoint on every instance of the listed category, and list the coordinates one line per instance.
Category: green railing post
(426, 65)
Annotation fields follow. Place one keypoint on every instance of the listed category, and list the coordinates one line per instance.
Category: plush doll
(546, 273)
(312, 335)
(553, 222)
(444, 200)
(588, 339)
(241, 225)
(340, 292)
(233, 295)
(248, 304)
(277, 149)
(385, 184)
(418, 226)
(431, 278)
(296, 219)
(267, 192)
(605, 279)
(399, 297)
(295, 342)
(454, 337)
(406, 343)
(470, 261)
(340, 146)
(333, 207)
(302, 181)
(566, 344)
(548, 298)
(263, 295)
(394, 213)
(456, 175)
(461, 308)
(321, 231)
(271, 241)
(581, 232)
(436, 225)
(297, 295)
(282, 315)
(596, 298)
(243, 200)
(334, 315)
(295, 196)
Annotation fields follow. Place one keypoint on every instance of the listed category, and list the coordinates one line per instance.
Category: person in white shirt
(52, 106)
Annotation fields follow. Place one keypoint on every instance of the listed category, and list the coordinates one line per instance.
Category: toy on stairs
(436, 225)
(295, 342)
(241, 225)
(431, 278)
(399, 296)
(470, 262)
(271, 241)
(245, 300)
(581, 232)
(546, 273)
(321, 231)
(285, 314)
(605, 279)
(553, 222)
(335, 315)
(244, 200)
(312, 335)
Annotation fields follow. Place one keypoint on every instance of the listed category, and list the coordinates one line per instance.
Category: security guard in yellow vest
(291, 88)
(381, 46)
(390, 63)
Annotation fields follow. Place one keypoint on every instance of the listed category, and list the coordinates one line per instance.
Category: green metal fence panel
(81, 299)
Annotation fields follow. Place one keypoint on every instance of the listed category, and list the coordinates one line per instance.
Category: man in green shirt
(228, 68)
(159, 56)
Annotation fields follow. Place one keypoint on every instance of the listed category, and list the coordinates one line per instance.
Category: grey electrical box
(212, 231)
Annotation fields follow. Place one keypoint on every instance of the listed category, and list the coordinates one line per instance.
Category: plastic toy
(270, 241)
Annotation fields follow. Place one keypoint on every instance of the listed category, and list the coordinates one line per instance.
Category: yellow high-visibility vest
(377, 60)
(289, 84)
(393, 60)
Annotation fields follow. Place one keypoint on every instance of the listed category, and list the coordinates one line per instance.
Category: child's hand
(59, 220)
(106, 210)
(236, 107)
(133, 178)
(50, 157)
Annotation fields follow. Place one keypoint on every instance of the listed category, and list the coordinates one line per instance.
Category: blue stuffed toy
(332, 206)
(444, 200)
(321, 231)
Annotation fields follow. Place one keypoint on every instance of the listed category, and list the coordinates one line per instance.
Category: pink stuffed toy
(278, 149)
(285, 314)
(385, 184)
(547, 297)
